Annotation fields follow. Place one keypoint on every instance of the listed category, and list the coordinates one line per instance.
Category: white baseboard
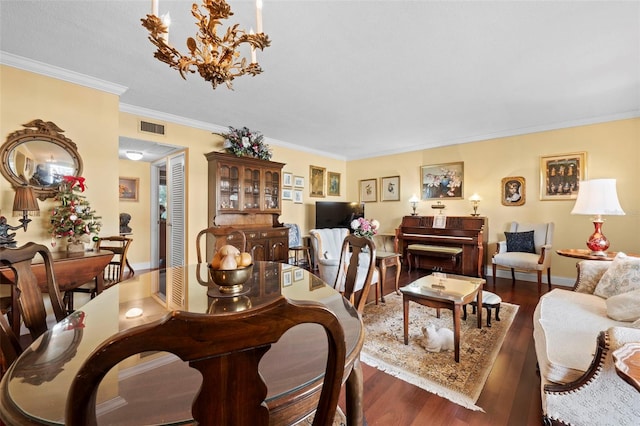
(528, 276)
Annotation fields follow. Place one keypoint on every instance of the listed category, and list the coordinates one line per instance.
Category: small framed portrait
(560, 175)
(334, 183)
(390, 188)
(513, 191)
(442, 181)
(368, 190)
(298, 182)
(287, 179)
(128, 188)
(317, 177)
(287, 194)
(297, 196)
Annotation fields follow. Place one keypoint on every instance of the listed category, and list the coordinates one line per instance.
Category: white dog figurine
(437, 340)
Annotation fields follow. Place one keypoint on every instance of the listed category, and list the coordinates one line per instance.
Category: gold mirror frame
(39, 156)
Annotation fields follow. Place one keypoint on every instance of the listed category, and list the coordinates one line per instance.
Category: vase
(75, 246)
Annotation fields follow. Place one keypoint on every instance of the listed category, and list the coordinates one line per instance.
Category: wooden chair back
(356, 287)
(216, 237)
(28, 294)
(10, 347)
(227, 350)
(114, 271)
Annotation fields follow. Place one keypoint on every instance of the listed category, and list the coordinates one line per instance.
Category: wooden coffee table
(443, 291)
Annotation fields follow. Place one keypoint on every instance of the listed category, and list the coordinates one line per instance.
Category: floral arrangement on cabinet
(364, 227)
(244, 142)
(73, 219)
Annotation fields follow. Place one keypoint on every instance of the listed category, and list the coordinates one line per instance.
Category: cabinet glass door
(251, 188)
(271, 190)
(229, 184)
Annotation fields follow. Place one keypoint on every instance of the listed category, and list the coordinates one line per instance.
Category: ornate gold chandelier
(214, 55)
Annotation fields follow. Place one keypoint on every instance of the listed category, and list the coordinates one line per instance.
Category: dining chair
(10, 347)
(227, 350)
(357, 270)
(29, 301)
(216, 237)
(113, 273)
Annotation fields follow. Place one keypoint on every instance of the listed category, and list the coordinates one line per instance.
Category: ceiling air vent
(147, 127)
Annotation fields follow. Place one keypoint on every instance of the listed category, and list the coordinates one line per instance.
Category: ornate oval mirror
(39, 155)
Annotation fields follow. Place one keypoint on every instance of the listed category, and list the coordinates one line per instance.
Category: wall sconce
(597, 197)
(24, 204)
(414, 203)
(134, 155)
(475, 200)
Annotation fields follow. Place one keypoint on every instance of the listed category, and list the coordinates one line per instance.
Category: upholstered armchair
(327, 243)
(528, 248)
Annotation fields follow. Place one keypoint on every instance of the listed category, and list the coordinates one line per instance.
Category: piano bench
(441, 258)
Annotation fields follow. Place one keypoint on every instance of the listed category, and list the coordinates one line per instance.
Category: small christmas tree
(73, 218)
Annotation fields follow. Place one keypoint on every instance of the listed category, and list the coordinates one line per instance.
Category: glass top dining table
(158, 387)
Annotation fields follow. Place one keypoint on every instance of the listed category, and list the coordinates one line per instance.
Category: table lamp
(475, 199)
(24, 204)
(414, 203)
(597, 197)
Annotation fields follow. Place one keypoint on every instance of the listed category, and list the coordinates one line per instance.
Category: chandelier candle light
(214, 51)
(597, 197)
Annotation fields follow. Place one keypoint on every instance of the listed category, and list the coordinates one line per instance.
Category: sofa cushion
(625, 306)
(566, 326)
(622, 276)
(520, 242)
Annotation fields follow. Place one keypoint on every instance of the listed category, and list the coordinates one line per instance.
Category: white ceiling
(356, 79)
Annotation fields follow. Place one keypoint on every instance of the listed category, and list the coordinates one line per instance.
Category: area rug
(435, 372)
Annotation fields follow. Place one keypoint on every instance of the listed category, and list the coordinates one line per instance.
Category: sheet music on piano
(440, 221)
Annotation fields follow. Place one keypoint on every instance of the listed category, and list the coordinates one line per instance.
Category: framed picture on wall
(442, 181)
(298, 182)
(317, 177)
(287, 194)
(368, 190)
(513, 191)
(561, 174)
(287, 179)
(334, 183)
(297, 196)
(128, 188)
(390, 188)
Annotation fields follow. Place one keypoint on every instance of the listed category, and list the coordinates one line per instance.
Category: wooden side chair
(357, 270)
(26, 292)
(113, 273)
(227, 350)
(216, 237)
(10, 347)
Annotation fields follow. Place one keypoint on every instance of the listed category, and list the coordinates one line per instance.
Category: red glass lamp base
(597, 242)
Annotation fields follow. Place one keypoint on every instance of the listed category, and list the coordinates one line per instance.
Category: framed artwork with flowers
(128, 188)
(368, 190)
(390, 188)
(443, 181)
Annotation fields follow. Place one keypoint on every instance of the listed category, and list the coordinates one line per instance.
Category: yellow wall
(613, 151)
(92, 119)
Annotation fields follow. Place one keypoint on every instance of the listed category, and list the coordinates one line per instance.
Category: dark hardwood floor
(511, 395)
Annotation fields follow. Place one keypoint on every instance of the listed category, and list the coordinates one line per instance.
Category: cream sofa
(574, 340)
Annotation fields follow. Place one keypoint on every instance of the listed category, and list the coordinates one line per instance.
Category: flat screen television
(337, 214)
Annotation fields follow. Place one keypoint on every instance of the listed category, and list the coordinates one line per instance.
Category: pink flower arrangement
(364, 227)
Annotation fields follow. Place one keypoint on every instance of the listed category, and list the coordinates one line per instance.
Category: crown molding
(37, 67)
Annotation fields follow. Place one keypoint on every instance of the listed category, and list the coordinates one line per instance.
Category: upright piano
(464, 232)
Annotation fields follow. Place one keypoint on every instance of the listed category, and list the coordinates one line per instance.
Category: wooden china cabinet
(245, 193)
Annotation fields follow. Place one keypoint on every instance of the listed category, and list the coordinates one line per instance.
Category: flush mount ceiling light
(134, 155)
(213, 52)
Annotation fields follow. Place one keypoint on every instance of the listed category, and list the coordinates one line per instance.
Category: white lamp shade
(475, 197)
(413, 199)
(597, 197)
